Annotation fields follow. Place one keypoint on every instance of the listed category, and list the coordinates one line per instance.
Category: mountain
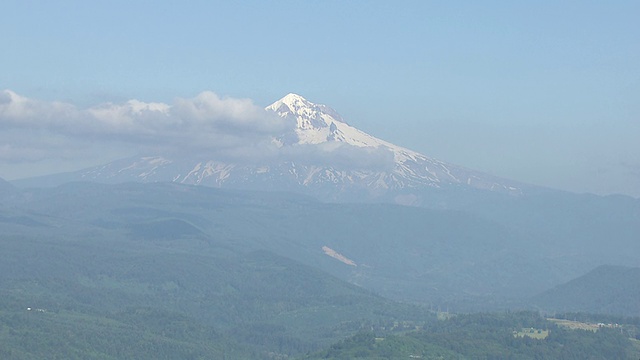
(193, 298)
(163, 270)
(6, 189)
(405, 253)
(177, 271)
(606, 289)
(322, 155)
(509, 243)
(480, 258)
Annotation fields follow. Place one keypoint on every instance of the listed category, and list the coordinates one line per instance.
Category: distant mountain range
(323, 155)
(484, 252)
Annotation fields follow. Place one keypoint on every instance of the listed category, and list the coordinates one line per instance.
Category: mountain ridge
(607, 289)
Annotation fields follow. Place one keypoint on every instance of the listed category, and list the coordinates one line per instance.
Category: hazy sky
(544, 92)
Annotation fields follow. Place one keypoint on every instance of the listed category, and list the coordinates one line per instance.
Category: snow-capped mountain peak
(295, 101)
(318, 123)
(309, 115)
(346, 161)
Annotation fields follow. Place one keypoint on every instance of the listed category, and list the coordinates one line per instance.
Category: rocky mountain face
(322, 155)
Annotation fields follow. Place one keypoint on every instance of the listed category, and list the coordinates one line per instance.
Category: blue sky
(544, 92)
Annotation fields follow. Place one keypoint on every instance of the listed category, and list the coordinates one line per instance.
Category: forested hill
(6, 189)
(163, 289)
(607, 289)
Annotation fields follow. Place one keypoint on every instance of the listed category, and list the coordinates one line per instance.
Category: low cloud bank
(206, 125)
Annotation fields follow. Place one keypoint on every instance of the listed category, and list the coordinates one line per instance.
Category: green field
(574, 324)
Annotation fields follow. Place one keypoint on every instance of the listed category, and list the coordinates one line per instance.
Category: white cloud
(19, 112)
(204, 126)
(204, 123)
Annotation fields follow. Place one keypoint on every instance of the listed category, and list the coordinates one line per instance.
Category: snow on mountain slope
(319, 124)
(322, 154)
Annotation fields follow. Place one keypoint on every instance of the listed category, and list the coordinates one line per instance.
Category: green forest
(487, 336)
(160, 271)
(145, 333)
